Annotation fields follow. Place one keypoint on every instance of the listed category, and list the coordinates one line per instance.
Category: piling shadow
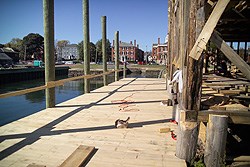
(47, 129)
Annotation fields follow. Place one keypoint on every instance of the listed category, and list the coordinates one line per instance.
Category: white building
(69, 52)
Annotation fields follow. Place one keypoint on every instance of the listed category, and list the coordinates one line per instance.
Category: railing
(52, 84)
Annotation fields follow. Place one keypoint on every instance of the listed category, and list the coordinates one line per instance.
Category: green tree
(34, 46)
(99, 50)
(16, 44)
(80, 50)
(92, 51)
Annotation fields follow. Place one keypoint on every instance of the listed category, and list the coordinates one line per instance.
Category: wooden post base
(187, 137)
(216, 140)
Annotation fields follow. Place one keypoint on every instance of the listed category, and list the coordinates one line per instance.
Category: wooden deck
(50, 136)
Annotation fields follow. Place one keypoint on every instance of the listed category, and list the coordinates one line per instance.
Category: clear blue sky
(143, 20)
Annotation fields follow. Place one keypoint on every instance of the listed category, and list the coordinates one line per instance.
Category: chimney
(159, 41)
(134, 42)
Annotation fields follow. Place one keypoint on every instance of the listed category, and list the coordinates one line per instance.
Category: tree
(15, 44)
(92, 51)
(99, 49)
(80, 50)
(34, 46)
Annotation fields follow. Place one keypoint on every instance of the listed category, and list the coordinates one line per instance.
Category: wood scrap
(78, 157)
(165, 130)
(35, 165)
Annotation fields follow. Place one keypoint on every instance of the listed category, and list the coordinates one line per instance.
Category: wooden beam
(35, 165)
(52, 84)
(236, 117)
(231, 55)
(207, 30)
(78, 157)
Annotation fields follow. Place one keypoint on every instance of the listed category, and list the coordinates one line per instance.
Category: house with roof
(11, 54)
(128, 51)
(5, 60)
(159, 52)
(69, 52)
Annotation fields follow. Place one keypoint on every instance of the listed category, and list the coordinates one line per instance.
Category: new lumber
(35, 165)
(236, 117)
(78, 157)
(207, 30)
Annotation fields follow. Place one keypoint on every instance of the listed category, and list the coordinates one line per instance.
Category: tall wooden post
(124, 67)
(192, 71)
(104, 51)
(48, 21)
(86, 44)
(216, 140)
(116, 55)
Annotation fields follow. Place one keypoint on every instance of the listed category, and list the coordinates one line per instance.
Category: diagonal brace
(208, 28)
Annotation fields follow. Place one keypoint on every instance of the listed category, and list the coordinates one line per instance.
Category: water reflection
(13, 108)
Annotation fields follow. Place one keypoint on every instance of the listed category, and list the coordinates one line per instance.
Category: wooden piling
(48, 21)
(192, 15)
(104, 50)
(124, 67)
(216, 140)
(116, 55)
(86, 44)
(187, 135)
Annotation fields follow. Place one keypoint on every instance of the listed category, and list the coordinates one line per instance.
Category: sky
(142, 20)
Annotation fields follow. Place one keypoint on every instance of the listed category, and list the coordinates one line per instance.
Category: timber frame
(192, 26)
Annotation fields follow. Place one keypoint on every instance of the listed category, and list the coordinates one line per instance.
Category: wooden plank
(231, 55)
(207, 30)
(231, 83)
(242, 97)
(220, 80)
(230, 107)
(78, 157)
(165, 130)
(35, 165)
(231, 92)
(236, 117)
(243, 158)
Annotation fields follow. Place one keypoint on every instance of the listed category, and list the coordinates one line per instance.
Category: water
(16, 107)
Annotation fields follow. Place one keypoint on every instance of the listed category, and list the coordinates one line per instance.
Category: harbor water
(16, 107)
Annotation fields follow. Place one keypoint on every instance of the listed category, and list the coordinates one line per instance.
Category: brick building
(130, 51)
(159, 52)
